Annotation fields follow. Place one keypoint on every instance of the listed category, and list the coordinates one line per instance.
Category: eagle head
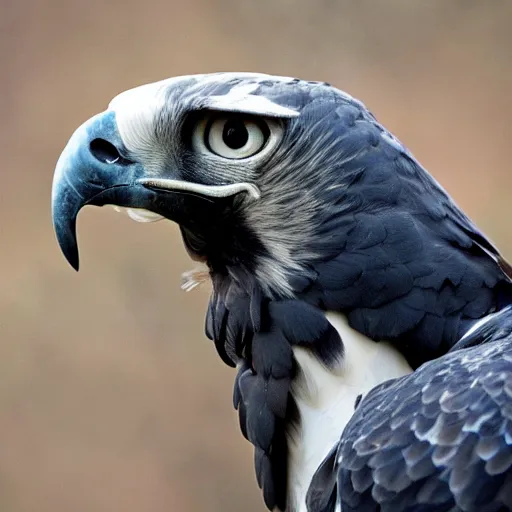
(255, 169)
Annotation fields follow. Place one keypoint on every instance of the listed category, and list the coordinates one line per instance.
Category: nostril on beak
(105, 152)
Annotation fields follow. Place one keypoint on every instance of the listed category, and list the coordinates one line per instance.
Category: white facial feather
(136, 113)
(240, 99)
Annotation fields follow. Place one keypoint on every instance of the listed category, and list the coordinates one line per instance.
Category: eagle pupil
(235, 134)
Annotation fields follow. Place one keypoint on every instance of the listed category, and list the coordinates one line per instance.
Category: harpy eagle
(367, 317)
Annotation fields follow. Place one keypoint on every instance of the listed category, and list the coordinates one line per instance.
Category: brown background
(111, 399)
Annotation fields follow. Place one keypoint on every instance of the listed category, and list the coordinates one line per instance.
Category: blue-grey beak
(94, 168)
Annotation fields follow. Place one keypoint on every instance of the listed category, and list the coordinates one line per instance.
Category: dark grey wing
(439, 439)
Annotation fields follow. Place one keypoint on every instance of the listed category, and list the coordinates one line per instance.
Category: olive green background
(111, 398)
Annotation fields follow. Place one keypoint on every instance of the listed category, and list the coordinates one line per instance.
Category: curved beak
(94, 169)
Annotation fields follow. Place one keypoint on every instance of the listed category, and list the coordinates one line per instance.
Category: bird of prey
(368, 318)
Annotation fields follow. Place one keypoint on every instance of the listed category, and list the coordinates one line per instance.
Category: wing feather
(437, 439)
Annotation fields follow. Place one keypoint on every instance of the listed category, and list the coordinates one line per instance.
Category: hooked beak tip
(66, 238)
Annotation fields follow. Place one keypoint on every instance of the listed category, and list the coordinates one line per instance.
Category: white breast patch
(326, 397)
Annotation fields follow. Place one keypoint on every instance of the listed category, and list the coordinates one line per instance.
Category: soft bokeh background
(111, 398)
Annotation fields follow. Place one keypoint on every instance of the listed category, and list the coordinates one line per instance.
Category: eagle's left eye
(231, 136)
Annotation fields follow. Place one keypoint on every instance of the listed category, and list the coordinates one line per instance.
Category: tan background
(111, 399)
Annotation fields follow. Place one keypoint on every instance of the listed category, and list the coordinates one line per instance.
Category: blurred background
(111, 397)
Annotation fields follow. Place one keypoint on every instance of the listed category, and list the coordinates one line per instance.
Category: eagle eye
(231, 136)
